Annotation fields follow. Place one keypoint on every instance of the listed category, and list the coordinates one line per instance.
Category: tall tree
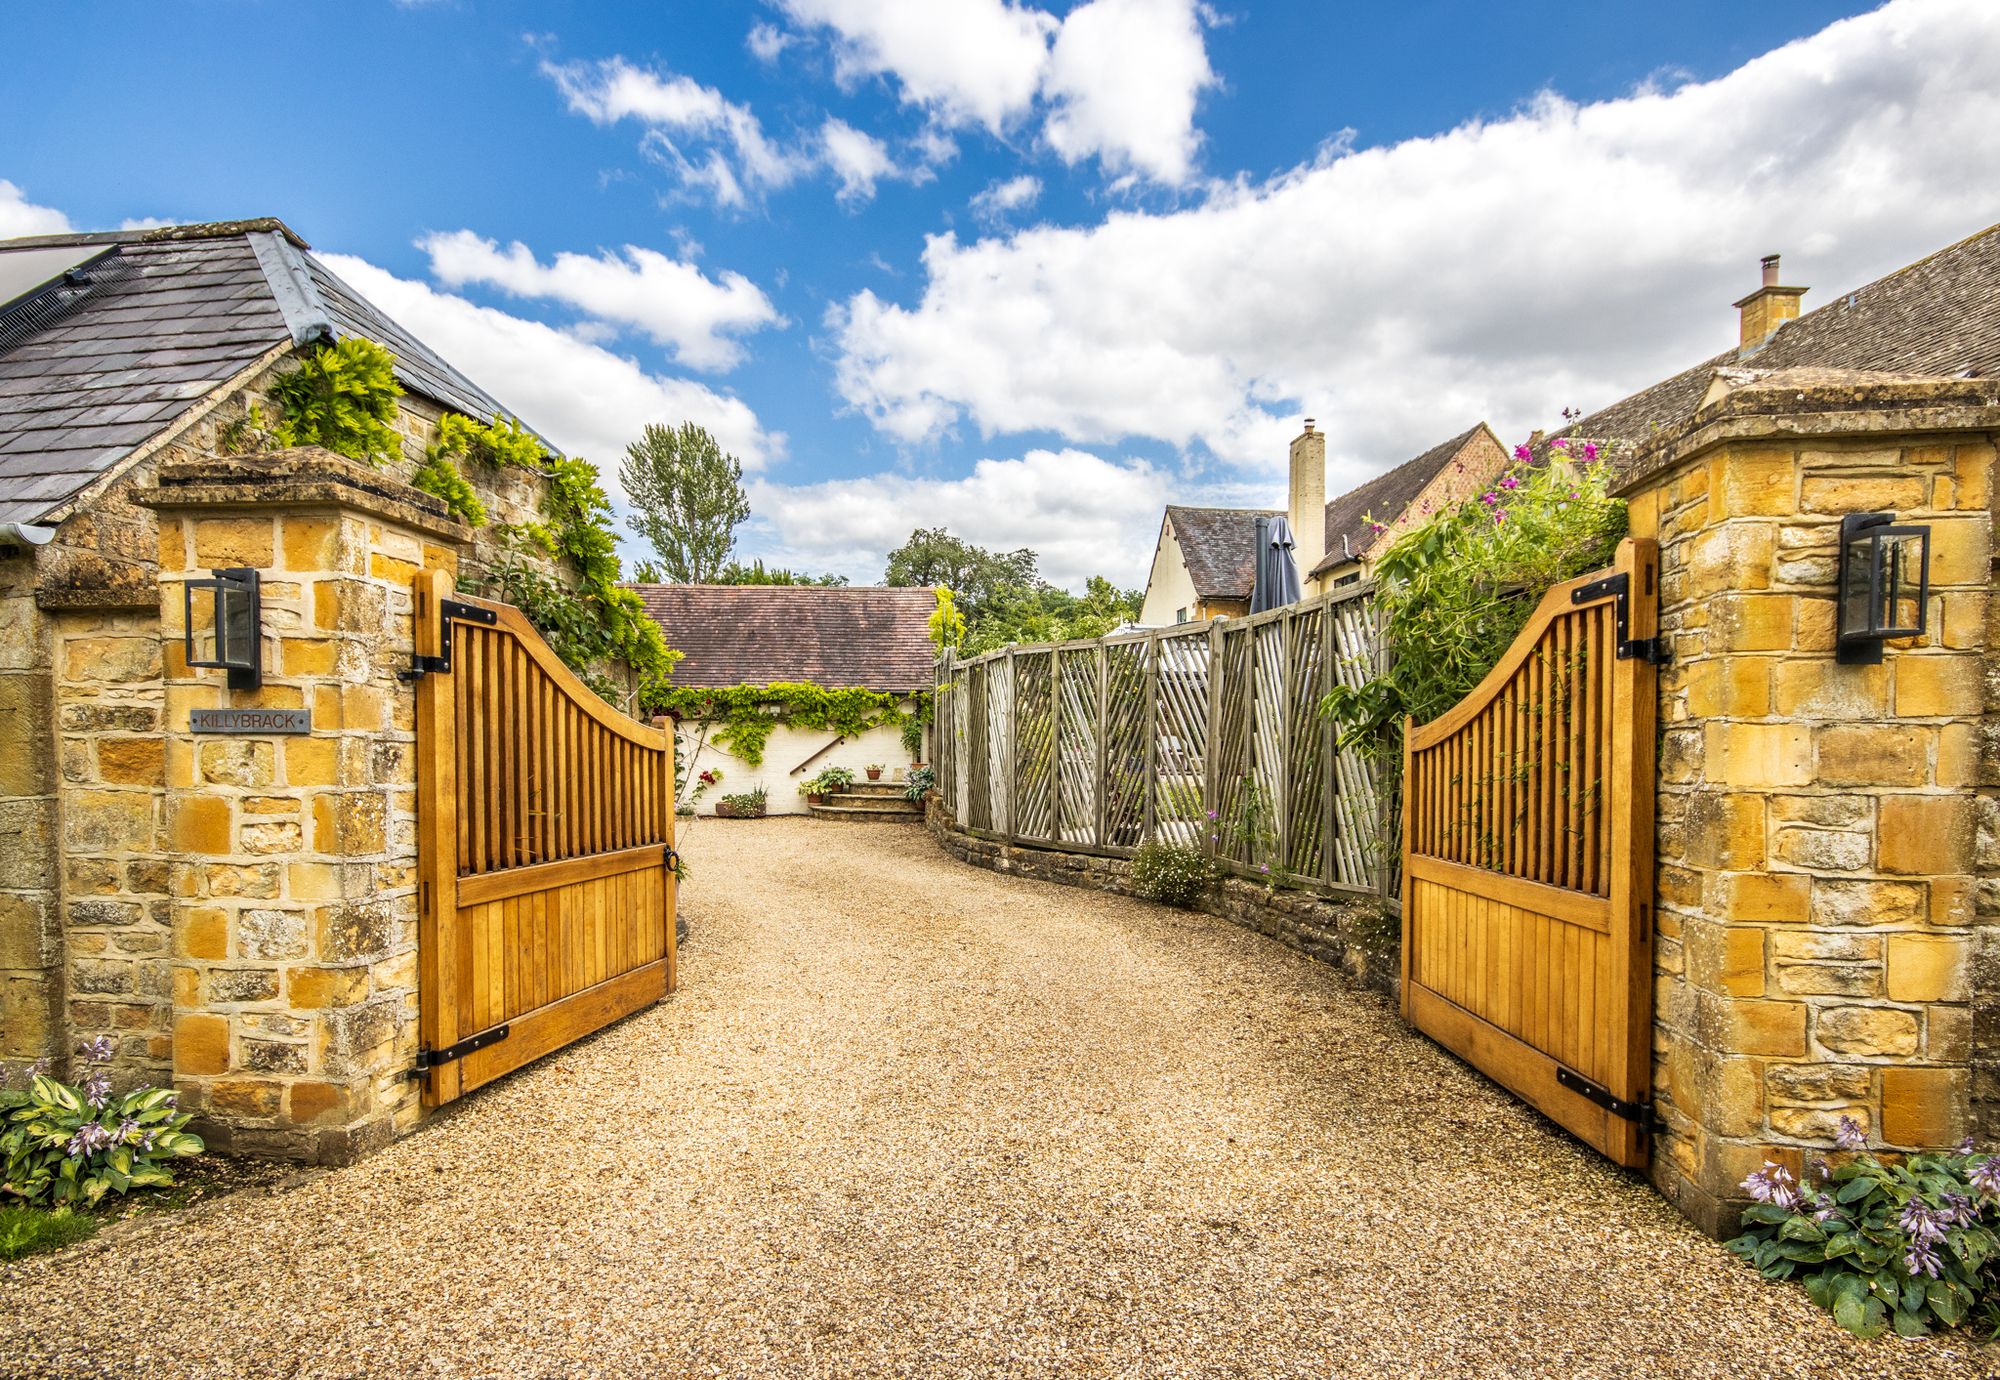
(687, 493)
(933, 556)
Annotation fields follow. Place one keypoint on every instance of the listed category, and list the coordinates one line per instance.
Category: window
(1180, 615)
(1353, 577)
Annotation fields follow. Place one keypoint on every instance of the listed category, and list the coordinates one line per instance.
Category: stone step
(869, 808)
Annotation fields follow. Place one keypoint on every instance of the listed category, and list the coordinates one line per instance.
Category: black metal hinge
(1640, 1112)
(448, 609)
(428, 1058)
(1652, 650)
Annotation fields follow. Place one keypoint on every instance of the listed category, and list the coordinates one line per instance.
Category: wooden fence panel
(1527, 861)
(1205, 735)
(545, 831)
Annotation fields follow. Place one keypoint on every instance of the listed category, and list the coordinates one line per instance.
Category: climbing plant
(742, 716)
(1455, 589)
(341, 396)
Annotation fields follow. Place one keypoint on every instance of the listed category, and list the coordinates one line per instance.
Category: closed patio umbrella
(1277, 573)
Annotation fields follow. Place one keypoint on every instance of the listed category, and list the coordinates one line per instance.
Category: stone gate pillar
(291, 855)
(1820, 900)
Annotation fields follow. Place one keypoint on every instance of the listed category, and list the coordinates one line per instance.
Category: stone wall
(1816, 865)
(1355, 934)
(30, 897)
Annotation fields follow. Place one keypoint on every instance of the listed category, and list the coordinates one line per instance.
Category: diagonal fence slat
(1209, 736)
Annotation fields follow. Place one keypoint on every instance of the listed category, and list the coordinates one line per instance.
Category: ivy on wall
(741, 717)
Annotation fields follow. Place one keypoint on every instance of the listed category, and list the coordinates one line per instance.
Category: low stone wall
(1355, 934)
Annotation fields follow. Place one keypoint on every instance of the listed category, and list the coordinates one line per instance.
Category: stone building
(235, 911)
(1204, 562)
(1828, 834)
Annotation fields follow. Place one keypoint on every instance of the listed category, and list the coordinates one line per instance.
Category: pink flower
(1376, 527)
(1508, 481)
(1574, 494)
(1590, 450)
(1523, 453)
(1560, 443)
(1489, 498)
(1499, 514)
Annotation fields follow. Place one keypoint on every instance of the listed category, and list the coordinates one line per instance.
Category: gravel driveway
(910, 1118)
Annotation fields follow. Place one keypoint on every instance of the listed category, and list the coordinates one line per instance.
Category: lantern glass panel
(1899, 583)
(203, 645)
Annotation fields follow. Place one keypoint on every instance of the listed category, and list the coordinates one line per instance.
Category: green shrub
(921, 781)
(65, 1145)
(744, 805)
(27, 1231)
(1172, 872)
(439, 476)
(1908, 1245)
(341, 396)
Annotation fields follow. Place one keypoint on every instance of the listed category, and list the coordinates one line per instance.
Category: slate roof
(165, 316)
(874, 637)
(1219, 547)
(1348, 534)
(1939, 316)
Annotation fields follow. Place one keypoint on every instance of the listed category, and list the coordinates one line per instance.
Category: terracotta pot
(724, 810)
(814, 797)
(874, 773)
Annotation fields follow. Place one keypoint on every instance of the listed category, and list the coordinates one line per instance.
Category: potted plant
(874, 771)
(834, 780)
(745, 805)
(913, 738)
(813, 789)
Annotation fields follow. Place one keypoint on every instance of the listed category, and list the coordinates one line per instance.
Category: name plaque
(250, 720)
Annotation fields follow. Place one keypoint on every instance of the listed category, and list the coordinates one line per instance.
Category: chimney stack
(1766, 309)
(1305, 505)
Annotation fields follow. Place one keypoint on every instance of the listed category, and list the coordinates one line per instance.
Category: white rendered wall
(785, 749)
(1169, 588)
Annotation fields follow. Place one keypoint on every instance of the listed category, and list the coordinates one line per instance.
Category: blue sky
(1030, 269)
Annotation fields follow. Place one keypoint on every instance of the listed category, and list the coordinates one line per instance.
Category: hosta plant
(1909, 1245)
(69, 1146)
(922, 779)
(1172, 872)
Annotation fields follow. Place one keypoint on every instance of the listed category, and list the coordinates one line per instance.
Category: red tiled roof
(873, 637)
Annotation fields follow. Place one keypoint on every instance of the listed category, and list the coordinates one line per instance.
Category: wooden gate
(1528, 861)
(545, 837)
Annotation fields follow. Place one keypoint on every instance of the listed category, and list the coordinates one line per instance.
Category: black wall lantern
(1885, 585)
(223, 613)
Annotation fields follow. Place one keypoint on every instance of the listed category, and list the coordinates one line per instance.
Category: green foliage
(744, 715)
(29, 1231)
(687, 493)
(1910, 1245)
(341, 396)
(743, 805)
(914, 725)
(921, 783)
(438, 475)
(599, 621)
(250, 432)
(934, 557)
(468, 440)
(1455, 590)
(70, 1146)
(947, 624)
(830, 781)
(1251, 831)
(1043, 613)
(736, 573)
(1172, 872)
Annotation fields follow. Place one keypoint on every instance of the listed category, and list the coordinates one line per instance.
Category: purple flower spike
(1922, 1259)
(1985, 1177)
(97, 1090)
(1850, 1136)
(97, 1051)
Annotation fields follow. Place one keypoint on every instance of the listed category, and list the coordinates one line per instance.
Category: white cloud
(767, 41)
(969, 61)
(711, 144)
(859, 160)
(1117, 79)
(1001, 198)
(672, 301)
(584, 398)
(1076, 509)
(21, 217)
(1565, 254)
(1124, 78)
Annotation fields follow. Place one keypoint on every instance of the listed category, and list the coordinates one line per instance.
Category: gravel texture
(909, 1118)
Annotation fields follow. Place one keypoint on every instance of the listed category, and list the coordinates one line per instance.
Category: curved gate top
(545, 824)
(1528, 860)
